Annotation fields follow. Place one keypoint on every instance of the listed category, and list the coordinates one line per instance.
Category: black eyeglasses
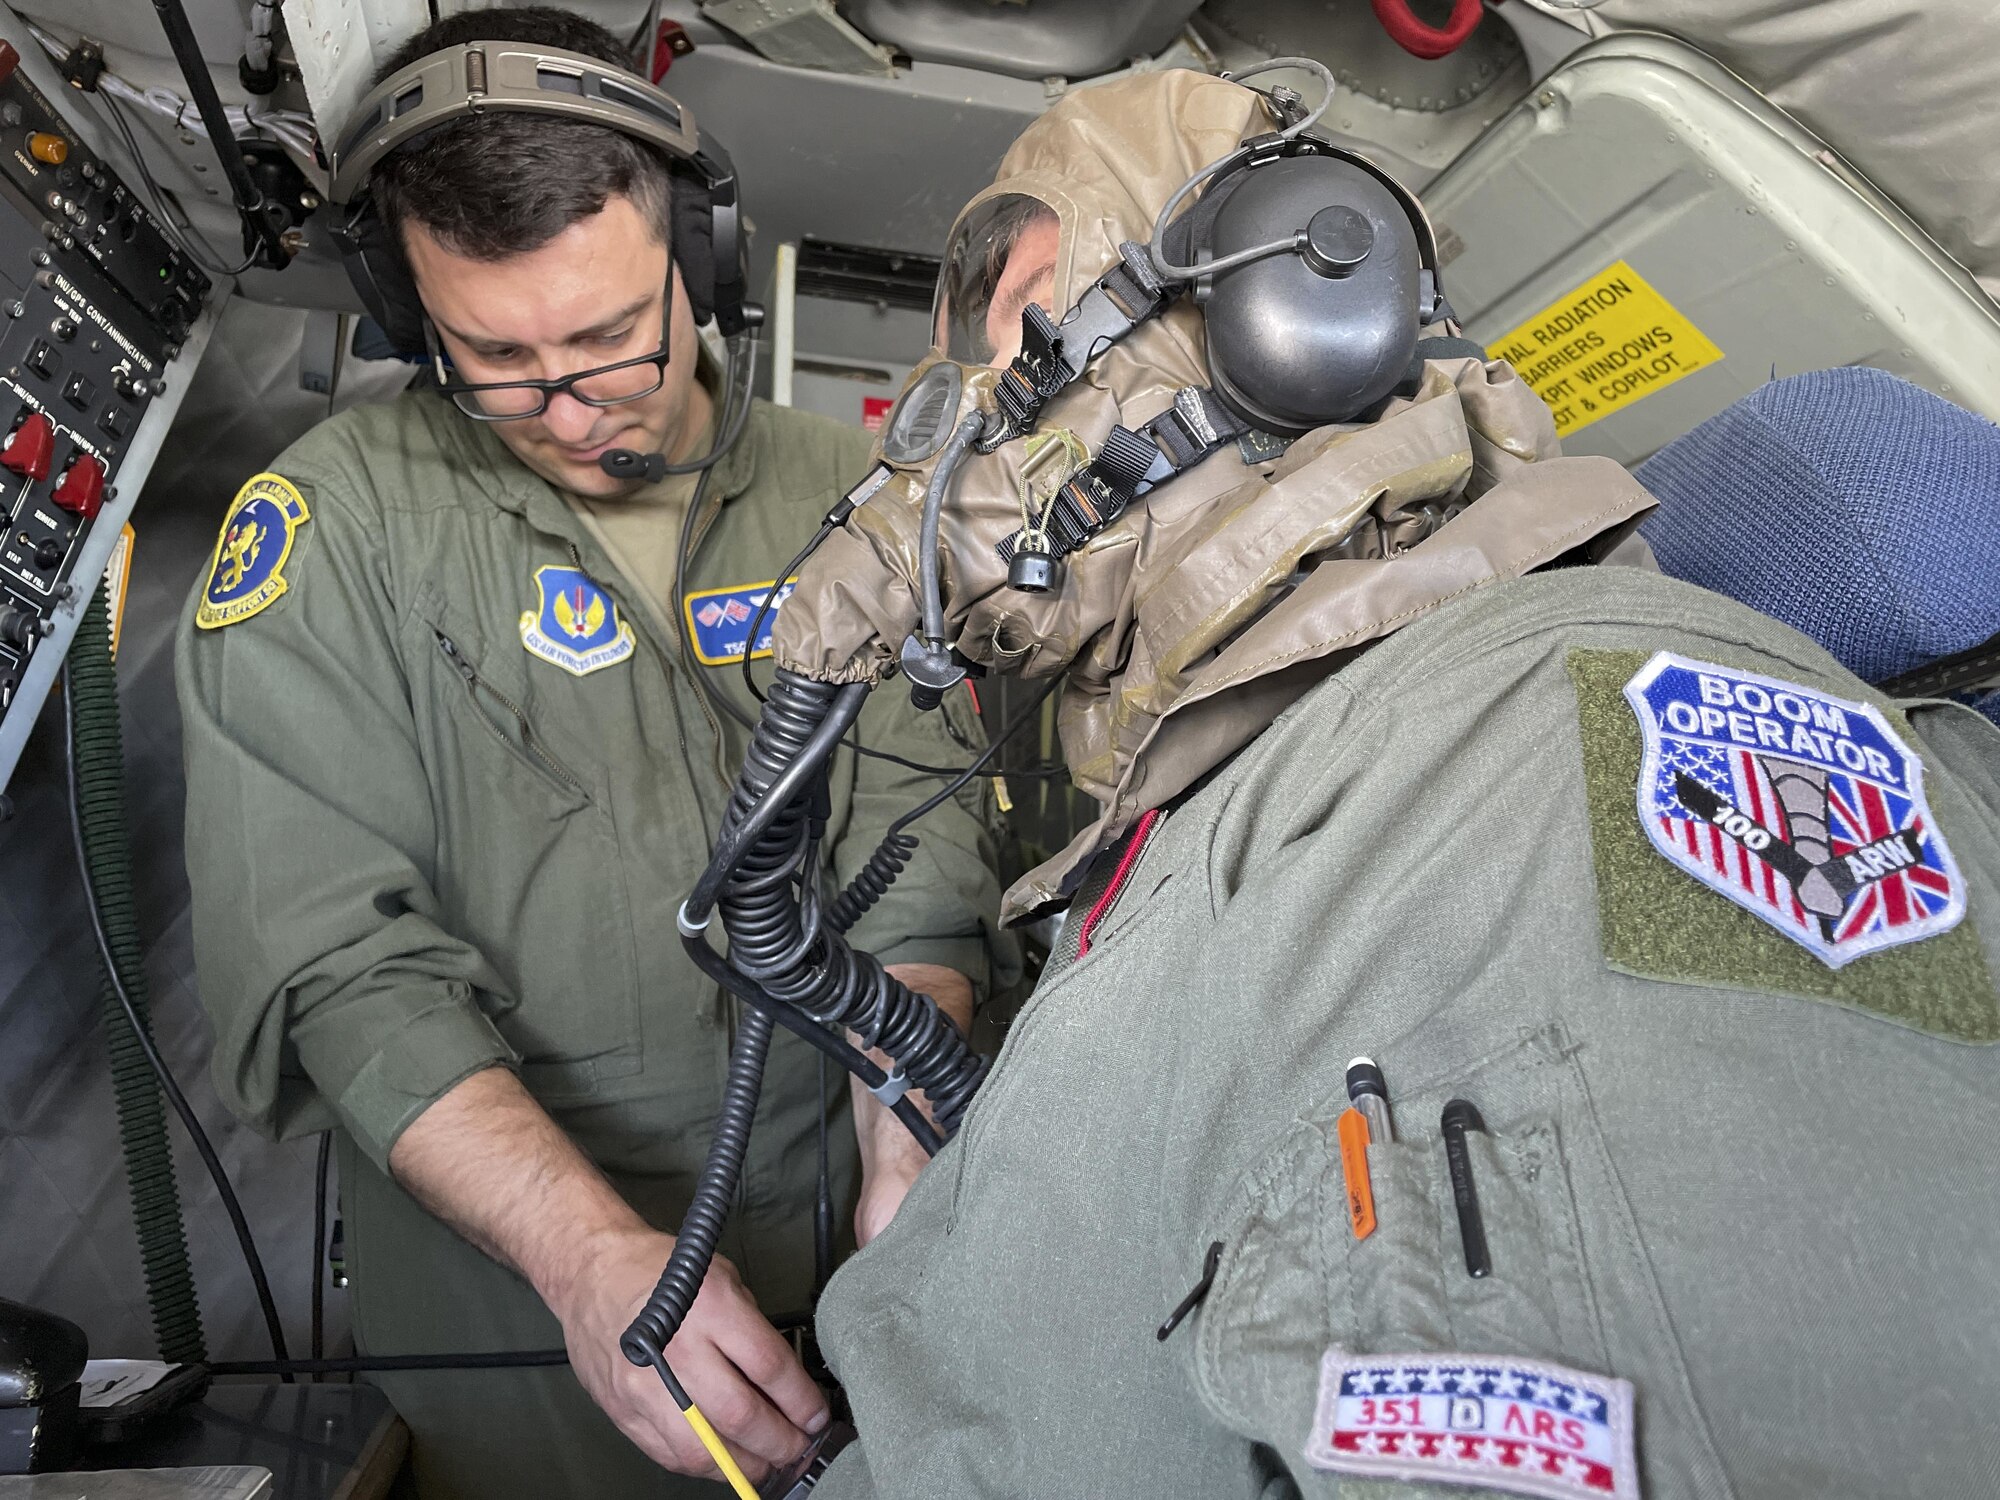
(511, 400)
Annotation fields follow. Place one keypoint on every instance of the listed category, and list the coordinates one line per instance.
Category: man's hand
(487, 1160)
(740, 1371)
(890, 1155)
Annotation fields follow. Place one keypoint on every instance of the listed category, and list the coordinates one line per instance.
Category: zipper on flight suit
(666, 666)
(687, 662)
(530, 741)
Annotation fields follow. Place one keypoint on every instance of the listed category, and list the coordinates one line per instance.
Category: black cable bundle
(788, 961)
(780, 937)
(872, 881)
(645, 1342)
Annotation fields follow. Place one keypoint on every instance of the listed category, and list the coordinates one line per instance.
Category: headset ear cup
(380, 278)
(693, 240)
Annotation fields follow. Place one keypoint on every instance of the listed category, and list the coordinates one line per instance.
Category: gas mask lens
(1002, 257)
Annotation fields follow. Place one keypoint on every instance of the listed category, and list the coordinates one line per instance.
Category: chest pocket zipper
(531, 745)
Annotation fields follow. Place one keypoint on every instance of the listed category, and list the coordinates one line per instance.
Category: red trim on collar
(1134, 846)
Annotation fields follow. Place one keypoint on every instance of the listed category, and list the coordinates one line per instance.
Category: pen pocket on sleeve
(1294, 1282)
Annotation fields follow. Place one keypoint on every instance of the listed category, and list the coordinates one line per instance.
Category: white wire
(290, 127)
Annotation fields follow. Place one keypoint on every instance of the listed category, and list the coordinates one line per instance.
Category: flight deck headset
(705, 228)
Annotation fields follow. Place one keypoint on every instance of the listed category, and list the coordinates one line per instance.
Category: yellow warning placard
(1611, 342)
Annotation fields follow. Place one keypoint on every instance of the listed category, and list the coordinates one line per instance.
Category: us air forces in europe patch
(1804, 817)
(247, 572)
(1501, 1424)
(574, 625)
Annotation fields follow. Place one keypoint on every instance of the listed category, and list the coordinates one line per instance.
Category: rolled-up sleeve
(944, 907)
(334, 989)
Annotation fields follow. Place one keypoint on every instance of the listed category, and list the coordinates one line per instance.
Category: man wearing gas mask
(1663, 948)
(456, 693)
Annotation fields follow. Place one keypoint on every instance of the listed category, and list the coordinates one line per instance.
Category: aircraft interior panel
(1757, 252)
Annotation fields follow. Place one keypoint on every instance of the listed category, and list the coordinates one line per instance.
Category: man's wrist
(567, 1270)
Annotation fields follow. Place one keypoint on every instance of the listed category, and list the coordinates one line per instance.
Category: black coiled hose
(779, 935)
(787, 958)
(694, 1248)
(871, 883)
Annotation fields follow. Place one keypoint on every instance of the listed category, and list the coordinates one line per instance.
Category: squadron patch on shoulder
(246, 574)
(719, 620)
(574, 623)
(1804, 809)
(1782, 842)
(1518, 1426)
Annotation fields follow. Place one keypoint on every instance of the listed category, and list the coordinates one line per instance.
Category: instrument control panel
(96, 308)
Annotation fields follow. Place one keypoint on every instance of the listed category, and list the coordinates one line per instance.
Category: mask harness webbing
(1131, 463)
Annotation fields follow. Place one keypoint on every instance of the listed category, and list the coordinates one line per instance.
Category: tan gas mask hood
(1222, 596)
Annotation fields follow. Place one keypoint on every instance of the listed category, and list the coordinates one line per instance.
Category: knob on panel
(21, 628)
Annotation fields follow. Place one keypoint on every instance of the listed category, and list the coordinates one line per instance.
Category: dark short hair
(493, 185)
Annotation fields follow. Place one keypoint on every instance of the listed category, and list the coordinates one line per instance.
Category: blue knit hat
(1854, 506)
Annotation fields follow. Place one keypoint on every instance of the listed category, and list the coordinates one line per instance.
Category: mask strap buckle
(1127, 466)
(1055, 354)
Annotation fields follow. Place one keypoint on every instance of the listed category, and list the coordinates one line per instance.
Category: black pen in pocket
(1459, 1117)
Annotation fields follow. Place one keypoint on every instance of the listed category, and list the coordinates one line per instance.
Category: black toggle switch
(21, 628)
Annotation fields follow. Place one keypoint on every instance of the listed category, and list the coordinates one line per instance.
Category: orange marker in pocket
(1354, 1169)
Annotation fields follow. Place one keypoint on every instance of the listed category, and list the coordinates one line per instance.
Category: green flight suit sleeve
(323, 963)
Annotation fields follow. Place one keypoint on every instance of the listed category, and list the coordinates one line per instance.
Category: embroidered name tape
(574, 624)
(246, 574)
(719, 621)
(1805, 809)
(1516, 1425)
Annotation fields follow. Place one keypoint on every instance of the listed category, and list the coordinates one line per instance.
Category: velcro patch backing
(1658, 922)
(1495, 1422)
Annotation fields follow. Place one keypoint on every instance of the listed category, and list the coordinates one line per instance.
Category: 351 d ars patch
(246, 574)
(1495, 1422)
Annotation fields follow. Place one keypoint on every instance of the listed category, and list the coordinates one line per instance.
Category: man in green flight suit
(1674, 940)
(451, 768)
